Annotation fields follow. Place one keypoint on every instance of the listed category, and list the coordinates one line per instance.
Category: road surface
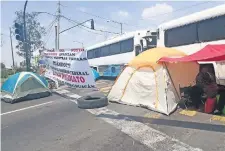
(56, 124)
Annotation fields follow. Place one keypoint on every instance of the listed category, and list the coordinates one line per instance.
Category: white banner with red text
(72, 68)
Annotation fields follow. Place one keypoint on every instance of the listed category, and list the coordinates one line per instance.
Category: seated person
(205, 84)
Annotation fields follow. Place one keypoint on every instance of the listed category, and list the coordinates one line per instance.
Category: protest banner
(72, 68)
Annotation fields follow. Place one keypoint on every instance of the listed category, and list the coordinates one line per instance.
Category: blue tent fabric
(96, 74)
(23, 84)
(10, 83)
(41, 62)
(42, 79)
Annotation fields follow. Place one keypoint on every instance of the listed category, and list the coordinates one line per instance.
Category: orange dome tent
(146, 82)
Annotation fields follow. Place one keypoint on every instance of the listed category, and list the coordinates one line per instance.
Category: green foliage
(19, 69)
(2, 65)
(5, 73)
(34, 31)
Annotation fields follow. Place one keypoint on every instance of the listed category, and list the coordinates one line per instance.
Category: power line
(80, 25)
(100, 30)
(50, 31)
(100, 17)
(73, 22)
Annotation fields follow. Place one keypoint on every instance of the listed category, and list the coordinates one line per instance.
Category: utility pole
(58, 25)
(121, 28)
(12, 47)
(121, 25)
(56, 34)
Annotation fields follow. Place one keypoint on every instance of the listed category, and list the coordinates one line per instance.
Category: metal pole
(121, 28)
(121, 25)
(12, 47)
(58, 25)
(25, 37)
(56, 45)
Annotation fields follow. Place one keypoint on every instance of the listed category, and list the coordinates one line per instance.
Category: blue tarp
(112, 71)
(96, 74)
(41, 62)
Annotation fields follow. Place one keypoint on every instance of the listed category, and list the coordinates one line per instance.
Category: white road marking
(26, 108)
(75, 96)
(62, 91)
(62, 87)
(148, 136)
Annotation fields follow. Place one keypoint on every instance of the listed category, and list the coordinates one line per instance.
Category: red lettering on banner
(68, 77)
(82, 79)
(78, 79)
(77, 50)
(51, 54)
(74, 79)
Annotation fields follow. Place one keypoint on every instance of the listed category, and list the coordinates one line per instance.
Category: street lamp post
(25, 37)
(121, 25)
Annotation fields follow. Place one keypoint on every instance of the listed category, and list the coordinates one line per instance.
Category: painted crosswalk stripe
(62, 91)
(75, 96)
(146, 135)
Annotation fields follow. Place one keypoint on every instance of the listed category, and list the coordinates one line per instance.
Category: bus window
(212, 29)
(105, 51)
(90, 54)
(151, 41)
(127, 45)
(183, 35)
(114, 48)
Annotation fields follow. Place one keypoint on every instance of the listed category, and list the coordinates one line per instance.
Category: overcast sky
(135, 15)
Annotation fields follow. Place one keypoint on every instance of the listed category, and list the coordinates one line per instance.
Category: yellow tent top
(150, 57)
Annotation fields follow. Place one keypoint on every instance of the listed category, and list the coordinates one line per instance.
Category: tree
(2, 65)
(34, 31)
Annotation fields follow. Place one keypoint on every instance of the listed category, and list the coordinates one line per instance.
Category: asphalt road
(59, 125)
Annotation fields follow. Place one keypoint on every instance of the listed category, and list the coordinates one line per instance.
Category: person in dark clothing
(205, 84)
(221, 103)
(196, 95)
(197, 91)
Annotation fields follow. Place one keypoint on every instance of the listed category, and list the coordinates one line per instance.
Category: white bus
(109, 57)
(193, 32)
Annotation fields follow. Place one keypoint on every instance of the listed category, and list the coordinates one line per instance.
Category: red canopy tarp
(208, 53)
